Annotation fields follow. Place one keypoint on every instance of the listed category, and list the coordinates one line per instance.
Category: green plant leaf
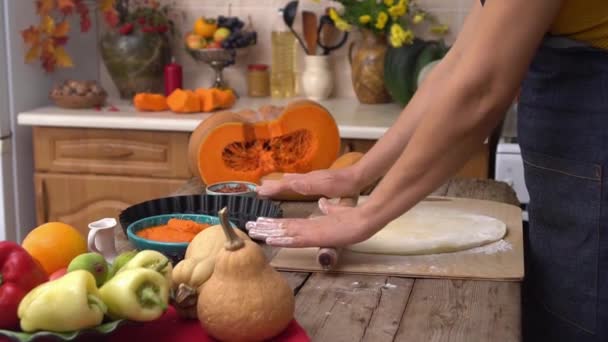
(103, 329)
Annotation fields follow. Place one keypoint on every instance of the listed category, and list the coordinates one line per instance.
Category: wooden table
(338, 307)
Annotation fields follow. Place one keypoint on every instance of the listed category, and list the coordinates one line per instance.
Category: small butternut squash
(184, 101)
(304, 137)
(148, 102)
(245, 299)
(197, 266)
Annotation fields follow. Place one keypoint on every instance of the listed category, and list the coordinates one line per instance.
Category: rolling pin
(328, 257)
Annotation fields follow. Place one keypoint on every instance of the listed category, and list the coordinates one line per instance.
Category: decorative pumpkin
(227, 147)
(343, 161)
(184, 101)
(148, 102)
(197, 266)
(245, 299)
(212, 99)
(402, 66)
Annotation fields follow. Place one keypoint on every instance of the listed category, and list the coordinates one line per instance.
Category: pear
(93, 263)
(121, 260)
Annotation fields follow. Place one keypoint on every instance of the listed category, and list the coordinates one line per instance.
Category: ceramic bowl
(241, 209)
(173, 250)
(216, 189)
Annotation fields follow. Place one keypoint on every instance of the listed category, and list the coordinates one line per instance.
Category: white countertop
(355, 120)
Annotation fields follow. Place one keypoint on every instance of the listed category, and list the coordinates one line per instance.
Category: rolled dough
(430, 229)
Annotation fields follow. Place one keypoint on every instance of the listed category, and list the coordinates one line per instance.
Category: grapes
(231, 23)
(239, 37)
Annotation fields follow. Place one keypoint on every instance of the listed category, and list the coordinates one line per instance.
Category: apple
(58, 274)
(214, 45)
(221, 34)
(194, 41)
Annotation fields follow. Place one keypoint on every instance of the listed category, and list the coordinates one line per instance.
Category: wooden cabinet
(83, 175)
(81, 199)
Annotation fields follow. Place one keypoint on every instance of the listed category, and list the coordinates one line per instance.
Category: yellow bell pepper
(69, 303)
(137, 294)
(150, 259)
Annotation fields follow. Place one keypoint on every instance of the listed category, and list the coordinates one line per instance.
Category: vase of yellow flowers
(384, 25)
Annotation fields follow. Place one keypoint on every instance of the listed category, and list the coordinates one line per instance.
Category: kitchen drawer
(111, 152)
(81, 199)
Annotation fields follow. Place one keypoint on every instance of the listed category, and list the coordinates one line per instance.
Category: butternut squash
(184, 101)
(148, 102)
(245, 299)
(304, 137)
(197, 266)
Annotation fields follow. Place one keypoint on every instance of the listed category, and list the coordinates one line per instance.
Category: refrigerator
(7, 212)
(24, 87)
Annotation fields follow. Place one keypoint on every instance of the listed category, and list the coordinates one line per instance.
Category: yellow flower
(389, 2)
(408, 37)
(439, 29)
(418, 18)
(333, 14)
(396, 35)
(381, 20)
(364, 19)
(399, 36)
(342, 25)
(397, 10)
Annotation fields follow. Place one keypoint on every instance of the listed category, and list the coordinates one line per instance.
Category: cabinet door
(78, 200)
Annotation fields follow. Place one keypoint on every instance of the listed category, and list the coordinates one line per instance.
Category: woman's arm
(469, 105)
(378, 160)
(455, 117)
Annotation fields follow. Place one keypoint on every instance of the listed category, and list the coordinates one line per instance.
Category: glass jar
(258, 80)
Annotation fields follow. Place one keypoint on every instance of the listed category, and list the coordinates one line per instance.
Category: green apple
(221, 34)
(93, 263)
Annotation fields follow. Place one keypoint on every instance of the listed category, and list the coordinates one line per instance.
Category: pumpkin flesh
(303, 138)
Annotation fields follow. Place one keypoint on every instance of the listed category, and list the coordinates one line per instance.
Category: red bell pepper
(19, 274)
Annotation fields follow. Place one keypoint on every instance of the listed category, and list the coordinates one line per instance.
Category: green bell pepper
(137, 294)
(150, 259)
(69, 303)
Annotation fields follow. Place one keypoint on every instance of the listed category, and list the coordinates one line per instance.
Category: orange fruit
(205, 27)
(54, 245)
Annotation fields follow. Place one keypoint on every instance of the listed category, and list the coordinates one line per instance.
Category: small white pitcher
(317, 78)
(101, 238)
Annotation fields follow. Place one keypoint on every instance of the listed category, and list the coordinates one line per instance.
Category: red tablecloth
(170, 328)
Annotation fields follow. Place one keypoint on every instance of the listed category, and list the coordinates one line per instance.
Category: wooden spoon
(309, 27)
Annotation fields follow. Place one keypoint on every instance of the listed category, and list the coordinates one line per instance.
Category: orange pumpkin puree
(176, 230)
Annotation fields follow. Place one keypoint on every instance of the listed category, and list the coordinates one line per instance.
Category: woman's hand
(340, 226)
(330, 183)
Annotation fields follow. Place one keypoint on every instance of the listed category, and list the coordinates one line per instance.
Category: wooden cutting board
(502, 260)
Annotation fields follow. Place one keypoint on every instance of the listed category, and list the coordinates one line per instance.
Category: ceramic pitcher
(317, 78)
(101, 238)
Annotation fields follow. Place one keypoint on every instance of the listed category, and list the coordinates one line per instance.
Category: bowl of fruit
(217, 41)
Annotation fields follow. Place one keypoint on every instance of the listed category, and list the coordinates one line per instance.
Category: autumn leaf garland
(46, 41)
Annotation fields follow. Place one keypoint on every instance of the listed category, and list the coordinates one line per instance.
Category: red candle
(173, 77)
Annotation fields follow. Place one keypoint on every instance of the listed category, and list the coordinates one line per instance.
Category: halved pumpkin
(304, 137)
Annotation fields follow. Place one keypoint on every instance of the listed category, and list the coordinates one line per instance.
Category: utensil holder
(317, 78)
